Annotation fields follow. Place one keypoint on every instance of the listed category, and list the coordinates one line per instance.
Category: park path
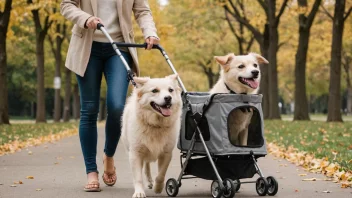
(58, 171)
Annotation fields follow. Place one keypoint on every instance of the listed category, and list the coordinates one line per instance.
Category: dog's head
(161, 96)
(241, 73)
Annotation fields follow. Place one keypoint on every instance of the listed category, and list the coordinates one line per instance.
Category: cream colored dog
(241, 75)
(151, 123)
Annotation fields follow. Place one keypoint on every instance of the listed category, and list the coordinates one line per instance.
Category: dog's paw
(139, 195)
(150, 185)
(158, 187)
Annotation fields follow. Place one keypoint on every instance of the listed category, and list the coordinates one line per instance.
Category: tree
(305, 23)
(269, 45)
(41, 30)
(59, 34)
(334, 105)
(4, 22)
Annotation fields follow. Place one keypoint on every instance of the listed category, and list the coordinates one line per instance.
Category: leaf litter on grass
(312, 164)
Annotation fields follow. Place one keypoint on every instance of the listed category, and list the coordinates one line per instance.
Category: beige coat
(78, 11)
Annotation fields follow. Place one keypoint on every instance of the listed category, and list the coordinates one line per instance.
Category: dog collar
(232, 92)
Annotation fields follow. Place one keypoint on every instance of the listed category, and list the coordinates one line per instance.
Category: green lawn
(316, 137)
(23, 132)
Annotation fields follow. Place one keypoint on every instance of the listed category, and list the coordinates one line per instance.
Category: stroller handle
(129, 72)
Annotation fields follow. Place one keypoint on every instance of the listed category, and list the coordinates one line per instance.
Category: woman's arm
(71, 11)
(144, 18)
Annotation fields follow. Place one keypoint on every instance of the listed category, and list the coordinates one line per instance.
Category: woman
(90, 56)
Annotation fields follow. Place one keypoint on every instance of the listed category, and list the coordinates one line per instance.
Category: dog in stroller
(239, 74)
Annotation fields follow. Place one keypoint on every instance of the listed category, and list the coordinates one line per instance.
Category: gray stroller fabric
(214, 124)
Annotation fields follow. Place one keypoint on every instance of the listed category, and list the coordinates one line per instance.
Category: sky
(163, 2)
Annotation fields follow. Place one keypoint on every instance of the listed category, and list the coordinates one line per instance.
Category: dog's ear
(259, 58)
(173, 76)
(140, 81)
(225, 61)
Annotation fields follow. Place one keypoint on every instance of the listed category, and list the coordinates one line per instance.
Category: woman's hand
(151, 41)
(92, 22)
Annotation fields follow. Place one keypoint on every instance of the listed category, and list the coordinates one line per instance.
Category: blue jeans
(103, 59)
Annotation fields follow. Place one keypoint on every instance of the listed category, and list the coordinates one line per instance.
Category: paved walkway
(58, 171)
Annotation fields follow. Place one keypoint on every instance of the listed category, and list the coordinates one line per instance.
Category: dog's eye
(171, 90)
(255, 65)
(241, 66)
(155, 90)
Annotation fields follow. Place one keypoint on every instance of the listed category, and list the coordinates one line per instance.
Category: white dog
(151, 123)
(241, 75)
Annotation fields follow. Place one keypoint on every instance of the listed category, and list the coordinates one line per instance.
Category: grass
(23, 132)
(316, 137)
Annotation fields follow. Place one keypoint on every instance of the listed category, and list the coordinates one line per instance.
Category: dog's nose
(255, 73)
(167, 99)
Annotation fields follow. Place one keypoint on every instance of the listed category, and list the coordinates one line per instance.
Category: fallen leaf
(13, 185)
(310, 179)
(29, 177)
(1, 184)
(326, 191)
(56, 163)
(20, 182)
(15, 182)
(296, 190)
(72, 157)
(38, 189)
(303, 174)
(30, 152)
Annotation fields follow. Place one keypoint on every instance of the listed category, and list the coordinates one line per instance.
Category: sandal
(92, 189)
(109, 175)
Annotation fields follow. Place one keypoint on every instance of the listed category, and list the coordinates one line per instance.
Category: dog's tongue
(253, 84)
(165, 111)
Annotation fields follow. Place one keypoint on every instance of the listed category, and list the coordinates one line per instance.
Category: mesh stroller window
(244, 127)
(191, 126)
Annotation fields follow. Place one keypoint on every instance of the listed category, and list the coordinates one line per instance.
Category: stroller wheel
(237, 184)
(262, 186)
(273, 186)
(216, 190)
(171, 187)
(230, 188)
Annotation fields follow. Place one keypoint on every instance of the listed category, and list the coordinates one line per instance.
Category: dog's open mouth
(164, 110)
(251, 82)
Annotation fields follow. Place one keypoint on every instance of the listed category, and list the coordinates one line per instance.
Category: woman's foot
(109, 176)
(92, 183)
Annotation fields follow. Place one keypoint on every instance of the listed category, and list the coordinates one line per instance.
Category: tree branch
(258, 36)
(264, 6)
(250, 43)
(52, 45)
(326, 12)
(312, 13)
(282, 9)
(347, 14)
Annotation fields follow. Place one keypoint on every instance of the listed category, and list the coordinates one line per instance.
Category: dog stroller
(206, 151)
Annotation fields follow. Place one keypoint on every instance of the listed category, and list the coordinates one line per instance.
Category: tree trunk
(349, 100)
(76, 103)
(301, 111)
(58, 61)
(67, 99)
(264, 70)
(334, 104)
(301, 102)
(4, 22)
(274, 112)
(40, 115)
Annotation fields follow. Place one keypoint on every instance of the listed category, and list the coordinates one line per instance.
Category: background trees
(295, 36)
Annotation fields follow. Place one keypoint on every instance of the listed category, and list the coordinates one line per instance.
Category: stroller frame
(220, 187)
